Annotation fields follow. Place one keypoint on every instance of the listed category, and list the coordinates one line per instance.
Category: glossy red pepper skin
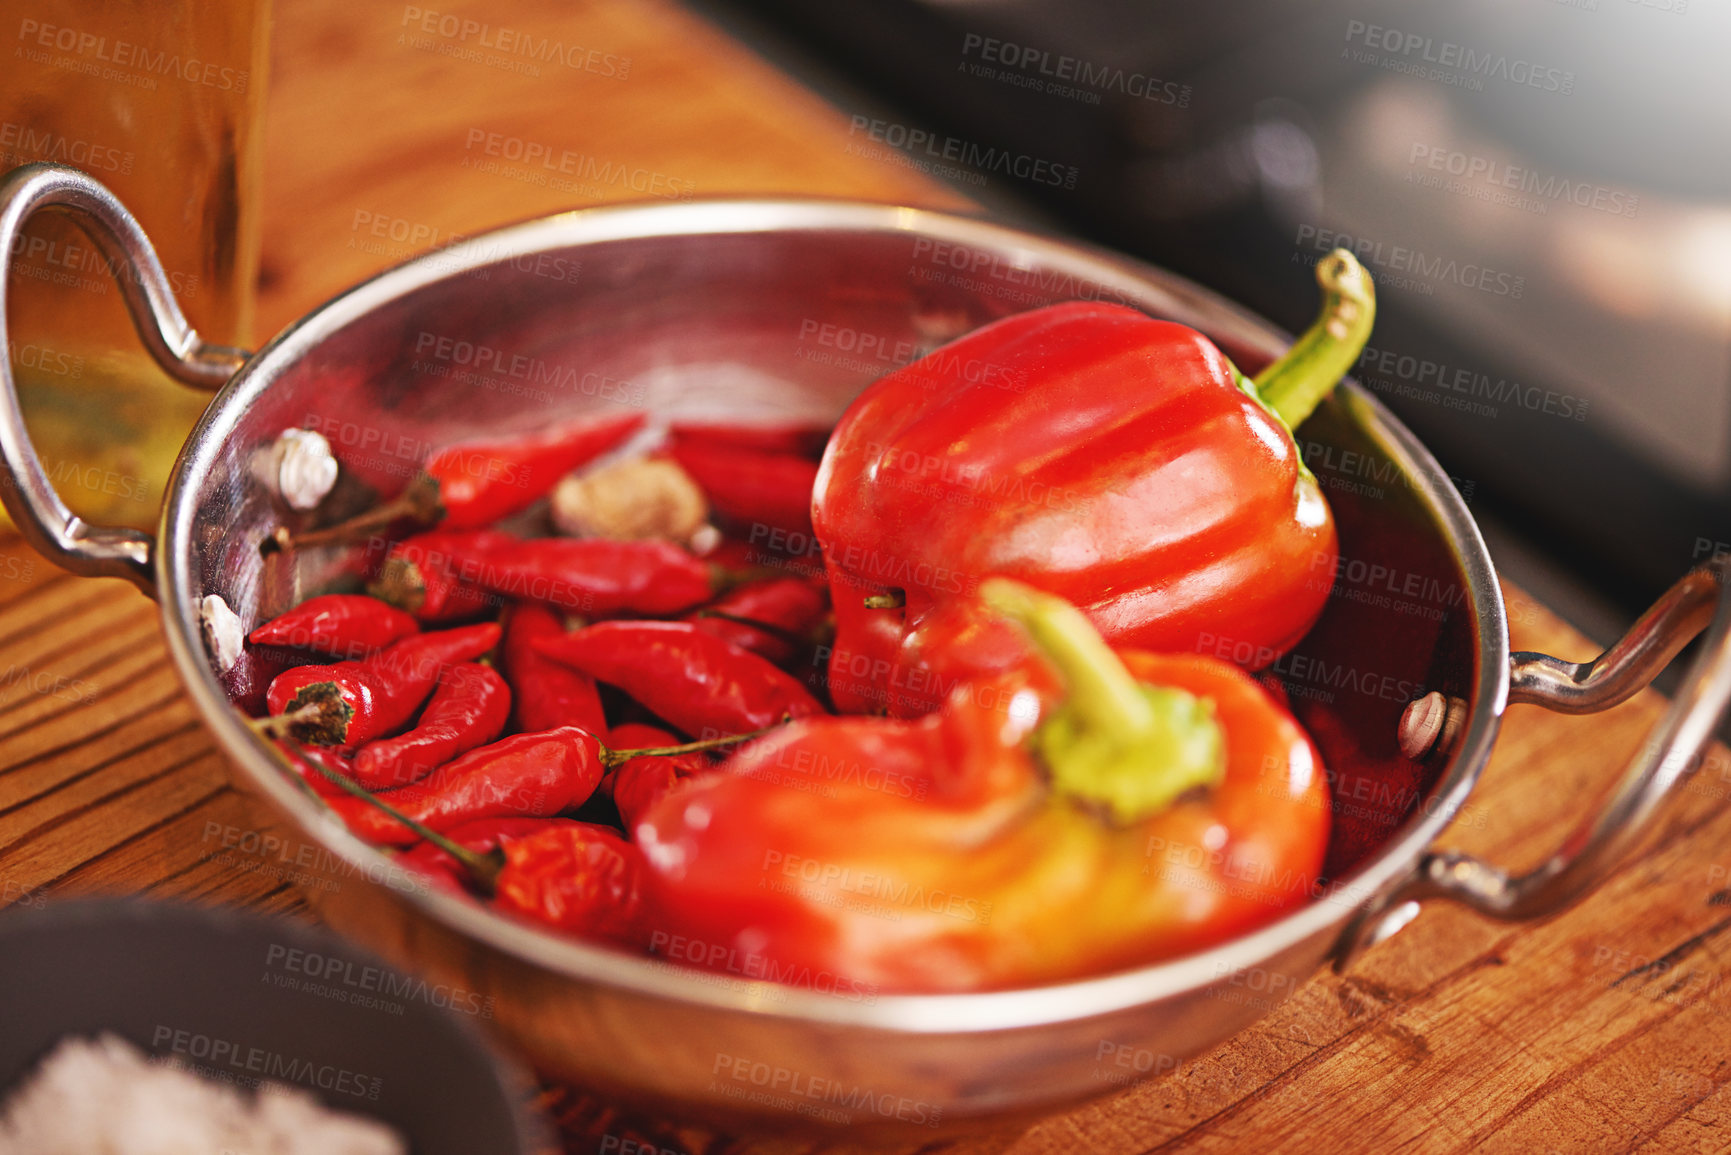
(931, 855)
(751, 489)
(545, 693)
(433, 575)
(339, 625)
(1126, 472)
(481, 836)
(792, 608)
(578, 878)
(378, 695)
(483, 481)
(645, 780)
(704, 686)
(598, 577)
(468, 708)
(523, 776)
(800, 440)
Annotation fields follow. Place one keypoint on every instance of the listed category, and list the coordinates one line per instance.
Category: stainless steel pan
(770, 308)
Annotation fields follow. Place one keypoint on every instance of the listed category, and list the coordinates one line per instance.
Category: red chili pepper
(1052, 822)
(350, 703)
(468, 709)
(598, 577)
(789, 611)
(432, 575)
(526, 775)
(482, 836)
(698, 682)
(483, 481)
(475, 484)
(750, 488)
(579, 878)
(799, 440)
(546, 694)
(641, 782)
(1116, 460)
(343, 625)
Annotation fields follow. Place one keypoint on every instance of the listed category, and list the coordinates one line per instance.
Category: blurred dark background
(1542, 189)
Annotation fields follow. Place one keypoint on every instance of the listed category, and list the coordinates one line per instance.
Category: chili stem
(894, 600)
(611, 758)
(419, 501)
(278, 725)
(1295, 385)
(484, 868)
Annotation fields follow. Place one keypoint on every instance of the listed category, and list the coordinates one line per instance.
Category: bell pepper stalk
(1085, 811)
(1118, 461)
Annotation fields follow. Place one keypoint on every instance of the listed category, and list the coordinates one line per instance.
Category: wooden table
(1601, 1030)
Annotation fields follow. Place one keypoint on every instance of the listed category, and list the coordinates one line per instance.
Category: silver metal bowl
(766, 309)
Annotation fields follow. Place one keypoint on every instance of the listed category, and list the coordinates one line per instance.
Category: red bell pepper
(1116, 460)
(1074, 815)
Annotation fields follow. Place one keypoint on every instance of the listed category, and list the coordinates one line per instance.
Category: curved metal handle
(1702, 599)
(43, 519)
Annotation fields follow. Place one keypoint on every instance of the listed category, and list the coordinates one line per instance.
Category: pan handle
(1701, 600)
(43, 519)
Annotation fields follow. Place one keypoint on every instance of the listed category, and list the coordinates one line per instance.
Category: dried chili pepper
(546, 694)
(577, 877)
(468, 709)
(526, 775)
(341, 625)
(475, 484)
(639, 783)
(481, 836)
(752, 488)
(431, 575)
(1138, 474)
(597, 576)
(693, 679)
(773, 617)
(1080, 813)
(349, 703)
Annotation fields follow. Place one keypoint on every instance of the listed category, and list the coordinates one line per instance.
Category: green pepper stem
(1099, 688)
(1295, 385)
(1117, 745)
(483, 867)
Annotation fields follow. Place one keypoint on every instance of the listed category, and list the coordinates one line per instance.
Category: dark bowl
(240, 997)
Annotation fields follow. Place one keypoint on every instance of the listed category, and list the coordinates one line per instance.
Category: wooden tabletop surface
(1602, 1030)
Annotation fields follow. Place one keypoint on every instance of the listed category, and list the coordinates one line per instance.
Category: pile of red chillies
(491, 684)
